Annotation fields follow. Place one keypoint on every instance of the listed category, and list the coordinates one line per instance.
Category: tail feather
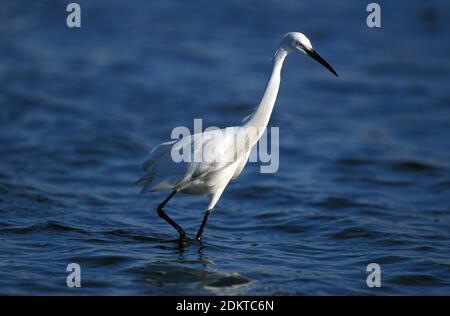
(150, 167)
(146, 183)
(157, 153)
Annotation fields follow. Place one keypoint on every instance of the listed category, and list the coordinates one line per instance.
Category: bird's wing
(205, 152)
(219, 149)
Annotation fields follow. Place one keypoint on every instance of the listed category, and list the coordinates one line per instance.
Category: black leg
(202, 226)
(161, 213)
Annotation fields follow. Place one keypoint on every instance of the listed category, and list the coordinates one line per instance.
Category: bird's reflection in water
(181, 248)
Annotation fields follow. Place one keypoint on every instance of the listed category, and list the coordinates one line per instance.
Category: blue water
(364, 158)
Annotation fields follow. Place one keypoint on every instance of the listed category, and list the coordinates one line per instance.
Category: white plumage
(217, 156)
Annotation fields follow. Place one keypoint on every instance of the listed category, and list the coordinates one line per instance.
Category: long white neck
(260, 118)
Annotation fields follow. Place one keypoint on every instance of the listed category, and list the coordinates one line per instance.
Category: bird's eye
(298, 43)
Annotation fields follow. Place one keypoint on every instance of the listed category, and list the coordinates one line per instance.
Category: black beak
(317, 57)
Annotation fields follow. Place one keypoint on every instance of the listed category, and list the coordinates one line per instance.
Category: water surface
(364, 158)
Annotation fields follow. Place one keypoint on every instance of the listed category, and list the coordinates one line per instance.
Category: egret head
(298, 42)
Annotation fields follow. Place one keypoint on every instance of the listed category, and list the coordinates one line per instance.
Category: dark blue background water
(364, 160)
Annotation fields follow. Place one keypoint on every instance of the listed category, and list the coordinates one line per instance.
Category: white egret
(223, 153)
